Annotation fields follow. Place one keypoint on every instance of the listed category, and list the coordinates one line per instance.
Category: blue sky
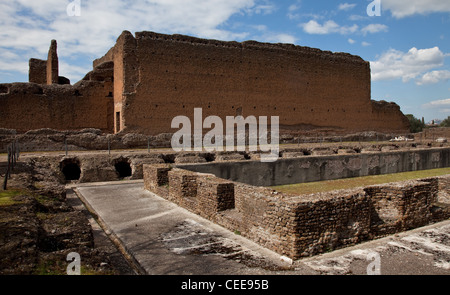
(408, 45)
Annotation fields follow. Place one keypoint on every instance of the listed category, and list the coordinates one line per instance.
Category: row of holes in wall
(40, 91)
(239, 110)
(71, 168)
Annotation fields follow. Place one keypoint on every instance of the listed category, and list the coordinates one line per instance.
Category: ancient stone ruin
(146, 80)
(135, 90)
(236, 196)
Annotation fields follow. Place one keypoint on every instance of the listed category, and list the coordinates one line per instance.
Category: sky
(407, 42)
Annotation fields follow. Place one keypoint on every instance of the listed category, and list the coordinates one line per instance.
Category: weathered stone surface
(132, 89)
(52, 64)
(297, 226)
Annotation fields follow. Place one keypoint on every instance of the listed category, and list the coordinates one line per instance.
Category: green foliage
(416, 124)
(446, 122)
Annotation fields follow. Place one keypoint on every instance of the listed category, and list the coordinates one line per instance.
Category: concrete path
(159, 237)
(162, 238)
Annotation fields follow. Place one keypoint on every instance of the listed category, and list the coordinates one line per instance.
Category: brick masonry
(153, 78)
(306, 225)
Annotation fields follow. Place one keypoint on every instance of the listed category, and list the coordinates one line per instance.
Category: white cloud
(374, 28)
(330, 26)
(402, 8)
(365, 44)
(351, 41)
(292, 11)
(356, 17)
(434, 77)
(395, 64)
(266, 35)
(313, 27)
(441, 106)
(264, 8)
(346, 6)
(280, 38)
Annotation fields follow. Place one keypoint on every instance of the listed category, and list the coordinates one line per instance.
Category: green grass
(6, 197)
(348, 183)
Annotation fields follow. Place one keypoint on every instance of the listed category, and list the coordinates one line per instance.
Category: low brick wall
(444, 190)
(306, 225)
(156, 178)
(402, 206)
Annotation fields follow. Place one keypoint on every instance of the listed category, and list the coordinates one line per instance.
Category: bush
(446, 122)
(416, 124)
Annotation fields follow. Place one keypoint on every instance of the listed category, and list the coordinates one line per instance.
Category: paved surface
(159, 237)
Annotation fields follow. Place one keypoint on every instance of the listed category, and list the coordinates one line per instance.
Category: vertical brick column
(52, 64)
(38, 71)
(156, 178)
(214, 195)
(183, 188)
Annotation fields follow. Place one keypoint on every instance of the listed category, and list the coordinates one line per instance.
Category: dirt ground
(39, 228)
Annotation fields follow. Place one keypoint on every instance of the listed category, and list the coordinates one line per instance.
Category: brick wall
(158, 77)
(298, 226)
(87, 104)
(433, 133)
(38, 71)
(169, 75)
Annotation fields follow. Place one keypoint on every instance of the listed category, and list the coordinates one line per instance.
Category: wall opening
(71, 169)
(123, 168)
(4, 89)
(117, 122)
(209, 157)
(169, 158)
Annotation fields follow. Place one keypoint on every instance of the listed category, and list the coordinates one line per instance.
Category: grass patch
(6, 197)
(348, 183)
(55, 266)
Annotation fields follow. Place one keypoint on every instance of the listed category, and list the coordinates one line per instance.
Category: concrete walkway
(159, 237)
(162, 238)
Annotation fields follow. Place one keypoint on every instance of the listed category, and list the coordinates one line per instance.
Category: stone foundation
(299, 226)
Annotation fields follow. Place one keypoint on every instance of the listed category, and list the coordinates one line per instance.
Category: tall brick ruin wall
(162, 76)
(298, 226)
(152, 78)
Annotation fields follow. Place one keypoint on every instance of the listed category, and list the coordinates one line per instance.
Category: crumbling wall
(387, 116)
(402, 206)
(298, 226)
(29, 106)
(125, 75)
(38, 71)
(52, 64)
(49, 101)
(433, 133)
(170, 75)
(158, 77)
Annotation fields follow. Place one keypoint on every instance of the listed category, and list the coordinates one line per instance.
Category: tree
(446, 122)
(416, 124)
